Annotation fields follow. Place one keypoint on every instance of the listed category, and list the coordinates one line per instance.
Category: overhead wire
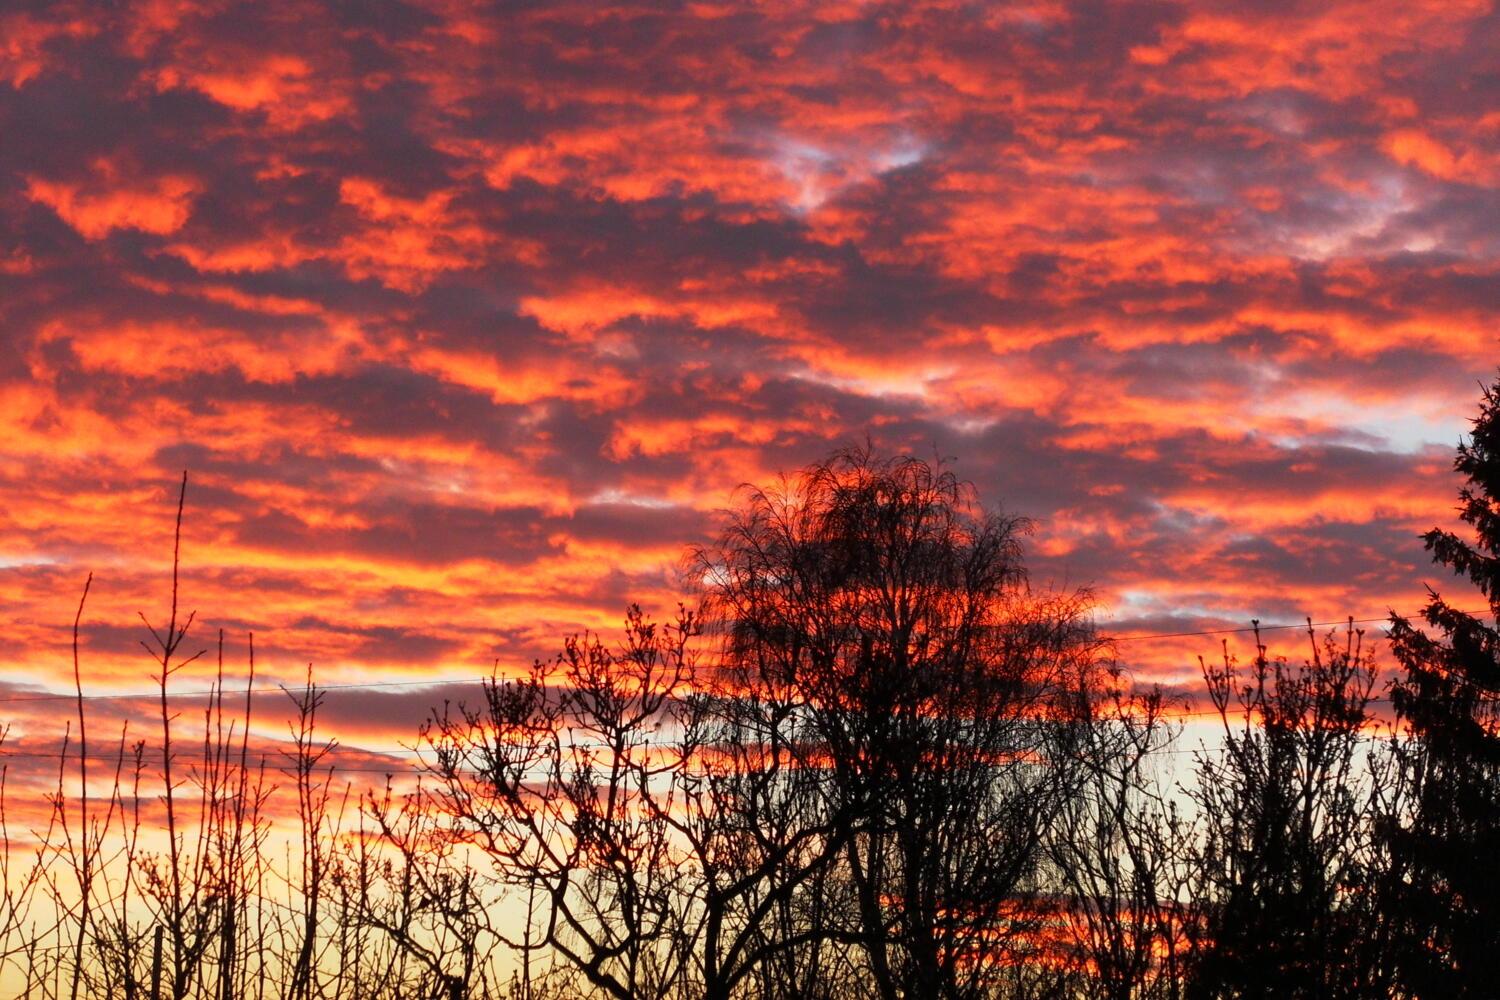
(1268, 628)
(293, 691)
(226, 692)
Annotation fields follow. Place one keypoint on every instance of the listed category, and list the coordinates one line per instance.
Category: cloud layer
(466, 320)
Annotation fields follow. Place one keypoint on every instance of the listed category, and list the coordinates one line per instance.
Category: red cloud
(106, 200)
(466, 319)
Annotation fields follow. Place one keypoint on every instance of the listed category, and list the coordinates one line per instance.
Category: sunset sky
(465, 321)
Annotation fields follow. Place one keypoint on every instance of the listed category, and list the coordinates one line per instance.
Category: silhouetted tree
(877, 764)
(1446, 845)
(946, 700)
(1122, 855)
(163, 869)
(654, 818)
(1285, 811)
(853, 796)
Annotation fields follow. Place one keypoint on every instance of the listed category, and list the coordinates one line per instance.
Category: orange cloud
(282, 86)
(24, 40)
(106, 201)
(466, 319)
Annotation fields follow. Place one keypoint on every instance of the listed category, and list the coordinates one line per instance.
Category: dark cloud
(466, 320)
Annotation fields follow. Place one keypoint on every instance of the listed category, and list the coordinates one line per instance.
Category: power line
(469, 680)
(286, 765)
(229, 693)
(1267, 628)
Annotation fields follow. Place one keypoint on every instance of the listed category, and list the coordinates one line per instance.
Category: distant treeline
(871, 762)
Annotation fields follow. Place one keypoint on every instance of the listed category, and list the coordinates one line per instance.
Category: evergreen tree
(1445, 843)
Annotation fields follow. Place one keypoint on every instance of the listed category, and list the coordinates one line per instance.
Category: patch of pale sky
(910, 383)
(1364, 221)
(1129, 604)
(617, 496)
(820, 173)
(1404, 425)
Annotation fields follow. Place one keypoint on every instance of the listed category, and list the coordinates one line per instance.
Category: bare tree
(1120, 853)
(876, 763)
(652, 816)
(1286, 811)
(945, 698)
(154, 878)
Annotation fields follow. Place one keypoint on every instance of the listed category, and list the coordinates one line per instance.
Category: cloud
(467, 320)
(105, 201)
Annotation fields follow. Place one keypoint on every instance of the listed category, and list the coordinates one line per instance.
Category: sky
(465, 321)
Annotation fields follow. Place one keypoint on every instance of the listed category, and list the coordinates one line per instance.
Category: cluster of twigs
(229, 866)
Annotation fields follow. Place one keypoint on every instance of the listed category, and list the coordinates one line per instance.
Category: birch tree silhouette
(948, 701)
